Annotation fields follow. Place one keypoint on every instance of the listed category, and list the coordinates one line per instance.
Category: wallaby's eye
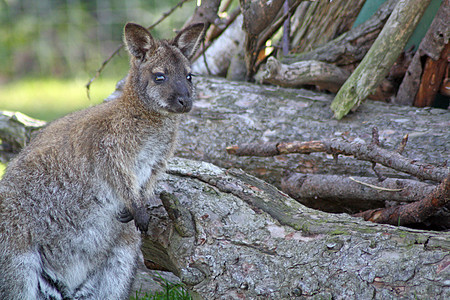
(159, 77)
(189, 77)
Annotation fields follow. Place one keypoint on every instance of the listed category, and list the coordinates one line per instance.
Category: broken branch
(337, 193)
(411, 213)
(311, 72)
(371, 152)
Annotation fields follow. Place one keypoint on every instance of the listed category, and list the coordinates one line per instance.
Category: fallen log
(433, 202)
(349, 48)
(331, 193)
(380, 58)
(429, 51)
(16, 129)
(229, 235)
(310, 72)
(228, 113)
(412, 213)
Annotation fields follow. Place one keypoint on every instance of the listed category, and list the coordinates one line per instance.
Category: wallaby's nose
(185, 102)
(183, 97)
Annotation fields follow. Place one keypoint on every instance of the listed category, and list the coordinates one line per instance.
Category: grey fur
(61, 197)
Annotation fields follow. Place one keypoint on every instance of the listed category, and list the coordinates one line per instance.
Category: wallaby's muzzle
(180, 104)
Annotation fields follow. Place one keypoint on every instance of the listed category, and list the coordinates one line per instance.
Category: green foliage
(175, 291)
(67, 38)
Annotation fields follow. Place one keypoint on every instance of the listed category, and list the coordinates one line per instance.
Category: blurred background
(49, 49)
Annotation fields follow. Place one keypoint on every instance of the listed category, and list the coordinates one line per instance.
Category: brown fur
(61, 196)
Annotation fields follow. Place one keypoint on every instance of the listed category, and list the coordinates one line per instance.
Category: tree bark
(432, 78)
(381, 56)
(323, 21)
(331, 193)
(206, 13)
(16, 129)
(217, 58)
(229, 113)
(228, 235)
(349, 48)
(262, 19)
(430, 48)
(310, 72)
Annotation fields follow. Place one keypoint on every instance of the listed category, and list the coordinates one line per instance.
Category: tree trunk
(430, 49)
(16, 130)
(310, 72)
(229, 113)
(206, 13)
(349, 48)
(217, 58)
(317, 22)
(228, 235)
(381, 56)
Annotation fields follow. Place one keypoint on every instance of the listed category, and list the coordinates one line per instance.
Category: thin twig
(271, 31)
(105, 62)
(375, 187)
(100, 70)
(215, 31)
(204, 58)
(286, 29)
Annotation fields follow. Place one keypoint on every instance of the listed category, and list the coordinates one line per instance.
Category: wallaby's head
(160, 70)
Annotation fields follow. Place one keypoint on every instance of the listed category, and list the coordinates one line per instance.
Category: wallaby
(66, 198)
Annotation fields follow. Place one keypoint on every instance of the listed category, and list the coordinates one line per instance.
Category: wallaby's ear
(138, 40)
(188, 40)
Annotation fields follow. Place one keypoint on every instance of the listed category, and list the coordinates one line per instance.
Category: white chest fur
(152, 156)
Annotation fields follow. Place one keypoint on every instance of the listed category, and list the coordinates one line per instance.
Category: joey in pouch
(66, 200)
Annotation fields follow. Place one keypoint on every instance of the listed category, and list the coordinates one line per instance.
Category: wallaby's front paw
(124, 216)
(141, 219)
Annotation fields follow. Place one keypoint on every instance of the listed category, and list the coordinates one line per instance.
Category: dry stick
(411, 213)
(380, 58)
(286, 29)
(338, 193)
(308, 72)
(371, 152)
(271, 31)
(380, 188)
(105, 62)
(204, 59)
(209, 40)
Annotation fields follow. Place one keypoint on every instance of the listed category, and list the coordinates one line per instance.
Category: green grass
(48, 99)
(172, 291)
(2, 170)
